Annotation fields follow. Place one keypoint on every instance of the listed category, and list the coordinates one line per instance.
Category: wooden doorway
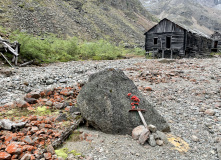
(168, 42)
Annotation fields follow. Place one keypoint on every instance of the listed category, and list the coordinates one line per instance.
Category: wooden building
(216, 45)
(170, 40)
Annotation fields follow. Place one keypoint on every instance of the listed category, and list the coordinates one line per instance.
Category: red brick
(4, 156)
(47, 155)
(13, 148)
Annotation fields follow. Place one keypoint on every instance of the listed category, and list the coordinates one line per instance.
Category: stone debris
(26, 139)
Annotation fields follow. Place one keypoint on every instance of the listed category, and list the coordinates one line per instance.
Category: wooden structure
(216, 45)
(170, 40)
(13, 48)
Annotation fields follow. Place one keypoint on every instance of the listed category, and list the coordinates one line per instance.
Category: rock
(89, 157)
(4, 155)
(49, 103)
(13, 148)
(219, 150)
(49, 81)
(74, 109)
(152, 128)
(22, 104)
(195, 138)
(163, 137)
(35, 95)
(50, 149)
(9, 125)
(59, 106)
(47, 155)
(27, 139)
(26, 157)
(104, 103)
(63, 80)
(61, 117)
(137, 132)
(71, 157)
(210, 112)
(144, 136)
(31, 100)
(159, 142)
(152, 141)
(148, 89)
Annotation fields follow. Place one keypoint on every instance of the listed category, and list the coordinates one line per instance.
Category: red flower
(132, 104)
(133, 107)
(134, 98)
(136, 103)
(129, 94)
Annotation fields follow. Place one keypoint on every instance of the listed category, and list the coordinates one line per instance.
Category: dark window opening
(155, 40)
(215, 44)
(168, 42)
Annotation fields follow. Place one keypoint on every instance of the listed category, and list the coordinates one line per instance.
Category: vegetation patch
(42, 110)
(63, 153)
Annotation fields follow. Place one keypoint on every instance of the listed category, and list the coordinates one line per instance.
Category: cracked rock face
(104, 103)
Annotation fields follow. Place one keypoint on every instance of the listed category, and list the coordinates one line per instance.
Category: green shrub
(100, 50)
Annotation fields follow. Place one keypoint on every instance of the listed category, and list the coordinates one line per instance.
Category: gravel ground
(186, 92)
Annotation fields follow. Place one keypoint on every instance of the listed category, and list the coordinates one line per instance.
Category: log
(26, 63)
(66, 133)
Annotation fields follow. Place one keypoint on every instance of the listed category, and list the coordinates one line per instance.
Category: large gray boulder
(104, 103)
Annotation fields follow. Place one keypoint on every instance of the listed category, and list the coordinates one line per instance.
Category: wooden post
(163, 53)
(171, 54)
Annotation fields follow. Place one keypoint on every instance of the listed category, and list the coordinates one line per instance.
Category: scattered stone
(144, 136)
(9, 125)
(50, 149)
(159, 142)
(210, 112)
(31, 100)
(137, 132)
(27, 156)
(49, 81)
(49, 103)
(152, 141)
(148, 89)
(63, 80)
(35, 95)
(195, 138)
(152, 128)
(62, 117)
(111, 87)
(163, 137)
(22, 104)
(74, 109)
(59, 106)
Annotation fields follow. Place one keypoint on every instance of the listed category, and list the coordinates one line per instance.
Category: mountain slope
(122, 21)
(197, 14)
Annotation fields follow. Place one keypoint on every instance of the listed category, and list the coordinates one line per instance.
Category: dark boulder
(104, 103)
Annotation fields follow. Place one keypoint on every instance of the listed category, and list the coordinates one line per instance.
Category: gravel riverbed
(187, 92)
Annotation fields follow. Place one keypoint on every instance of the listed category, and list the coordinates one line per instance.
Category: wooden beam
(6, 59)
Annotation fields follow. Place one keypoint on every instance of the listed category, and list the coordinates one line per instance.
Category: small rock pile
(154, 137)
(29, 133)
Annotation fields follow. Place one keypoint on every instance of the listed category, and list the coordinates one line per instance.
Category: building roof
(193, 31)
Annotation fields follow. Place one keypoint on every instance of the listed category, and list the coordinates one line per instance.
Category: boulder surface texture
(104, 103)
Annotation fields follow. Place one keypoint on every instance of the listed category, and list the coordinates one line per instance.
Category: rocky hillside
(120, 21)
(204, 15)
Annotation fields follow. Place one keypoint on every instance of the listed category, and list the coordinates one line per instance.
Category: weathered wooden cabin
(170, 40)
(216, 45)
